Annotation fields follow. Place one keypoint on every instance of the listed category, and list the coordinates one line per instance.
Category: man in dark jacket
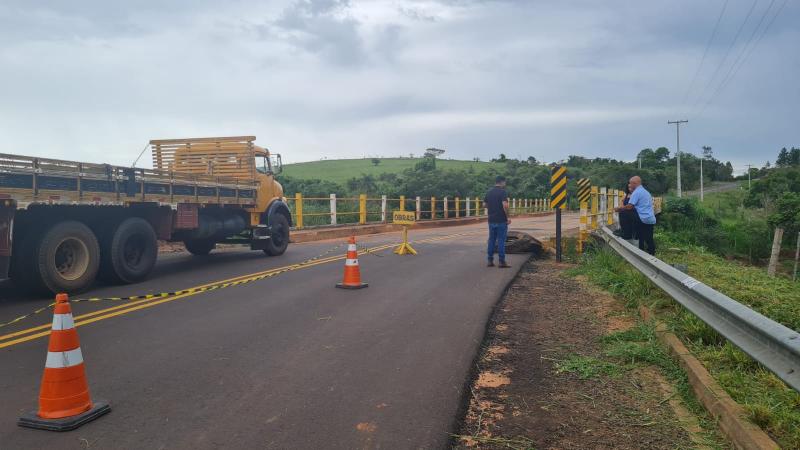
(496, 202)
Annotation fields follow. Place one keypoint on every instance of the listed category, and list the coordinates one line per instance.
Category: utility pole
(701, 179)
(640, 162)
(678, 133)
(748, 176)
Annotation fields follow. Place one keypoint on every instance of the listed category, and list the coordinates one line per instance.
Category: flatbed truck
(64, 223)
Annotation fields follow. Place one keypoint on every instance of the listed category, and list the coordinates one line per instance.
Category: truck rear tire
(279, 235)
(128, 253)
(67, 258)
(199, 247)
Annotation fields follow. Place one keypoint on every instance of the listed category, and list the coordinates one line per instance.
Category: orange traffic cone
(64, 402)
(352, 274)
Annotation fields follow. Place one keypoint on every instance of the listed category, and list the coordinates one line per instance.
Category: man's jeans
(497, 238)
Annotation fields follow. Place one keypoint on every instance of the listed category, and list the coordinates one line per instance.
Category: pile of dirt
(522, 397)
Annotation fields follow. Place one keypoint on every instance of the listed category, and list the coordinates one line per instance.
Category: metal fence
(333, 210)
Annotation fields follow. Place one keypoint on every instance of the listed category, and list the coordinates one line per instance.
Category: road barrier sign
(584, 189)
(404, 218)
(558, 187)
(558, 200)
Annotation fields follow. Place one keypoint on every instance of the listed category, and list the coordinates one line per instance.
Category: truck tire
(23, 270)
(67, 258)
(128, 251)
(199, 247)
(279, 235)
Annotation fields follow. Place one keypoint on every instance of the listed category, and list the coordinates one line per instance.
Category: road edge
(473, 372)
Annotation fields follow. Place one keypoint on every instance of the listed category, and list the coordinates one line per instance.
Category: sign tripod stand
(404, 218)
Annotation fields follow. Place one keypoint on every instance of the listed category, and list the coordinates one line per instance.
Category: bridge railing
(598, 211)
(363, 209)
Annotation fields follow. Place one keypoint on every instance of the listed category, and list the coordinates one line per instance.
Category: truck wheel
(23, 270)
(199, 247)
(128, 253)
(279, 235)
(67, 258)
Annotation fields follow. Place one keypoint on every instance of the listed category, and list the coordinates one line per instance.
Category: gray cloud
(95, 80)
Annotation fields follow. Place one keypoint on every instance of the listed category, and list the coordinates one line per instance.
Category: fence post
(615, 201)
(458, 207)
(433, 208)
(445, 211)
(603, 207)
(419, 207)
(594, 196)
(402, 203)
(513, 206)
(333, 209)
(383, 208)
(466, 207)
(362, 209)
(298, 210)
(609, 207)
(477, 206)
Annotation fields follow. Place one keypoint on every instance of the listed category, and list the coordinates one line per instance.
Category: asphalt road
(286, 361)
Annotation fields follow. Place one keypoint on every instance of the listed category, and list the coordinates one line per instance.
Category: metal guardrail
(773, 345)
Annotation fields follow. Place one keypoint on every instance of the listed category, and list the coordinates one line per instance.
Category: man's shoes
(490, 264)
(503, 265)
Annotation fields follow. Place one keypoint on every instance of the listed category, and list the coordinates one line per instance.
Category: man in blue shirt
(642, 201)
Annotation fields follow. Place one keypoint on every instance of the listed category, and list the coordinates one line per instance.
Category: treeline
(527, 178)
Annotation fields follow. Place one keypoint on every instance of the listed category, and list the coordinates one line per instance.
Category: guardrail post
(466, 207)
(298, 210)
(402, 203)
(583, 225)
(603, 206)
(419, 207)
(612, 201)
(383, 208)
(362, 209)
(513, 206)
(445, 212)
(615, 202)
(458, 207)
(477, 206)
(433, 208)
(333, 209)
(594, 196)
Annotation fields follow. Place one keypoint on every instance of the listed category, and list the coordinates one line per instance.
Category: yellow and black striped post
(558, 200)
(584, 191)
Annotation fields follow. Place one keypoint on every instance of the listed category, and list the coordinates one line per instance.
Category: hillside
(341, 170)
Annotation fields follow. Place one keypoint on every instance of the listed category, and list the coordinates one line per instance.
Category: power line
(705, 52)
(725, 58)
(734, 69)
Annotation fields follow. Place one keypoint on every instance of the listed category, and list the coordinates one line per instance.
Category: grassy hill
(341, 170)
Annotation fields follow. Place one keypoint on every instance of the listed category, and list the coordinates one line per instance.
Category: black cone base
(31, 420)
(351, 286)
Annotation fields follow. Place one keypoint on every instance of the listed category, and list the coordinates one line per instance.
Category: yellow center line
(107, 313)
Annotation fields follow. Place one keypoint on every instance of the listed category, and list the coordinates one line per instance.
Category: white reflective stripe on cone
(63, 322)
(351, 248)
(60, 360)
(351, 262)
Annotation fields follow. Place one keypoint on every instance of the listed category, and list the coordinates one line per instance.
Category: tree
(707, 152)
(783, 158)
(662, 154)
(433, 152)
(532, 160)
(501, 158)
(376, 161)
(794, 156)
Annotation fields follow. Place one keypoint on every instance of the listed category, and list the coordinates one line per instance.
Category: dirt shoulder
(561, 367)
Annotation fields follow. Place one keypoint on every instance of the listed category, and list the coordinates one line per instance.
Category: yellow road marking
(107, 313)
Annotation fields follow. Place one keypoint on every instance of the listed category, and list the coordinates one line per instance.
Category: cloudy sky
(95, 80)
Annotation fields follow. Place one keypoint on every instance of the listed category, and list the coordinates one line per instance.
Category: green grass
(341, 170)
(769, 403)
